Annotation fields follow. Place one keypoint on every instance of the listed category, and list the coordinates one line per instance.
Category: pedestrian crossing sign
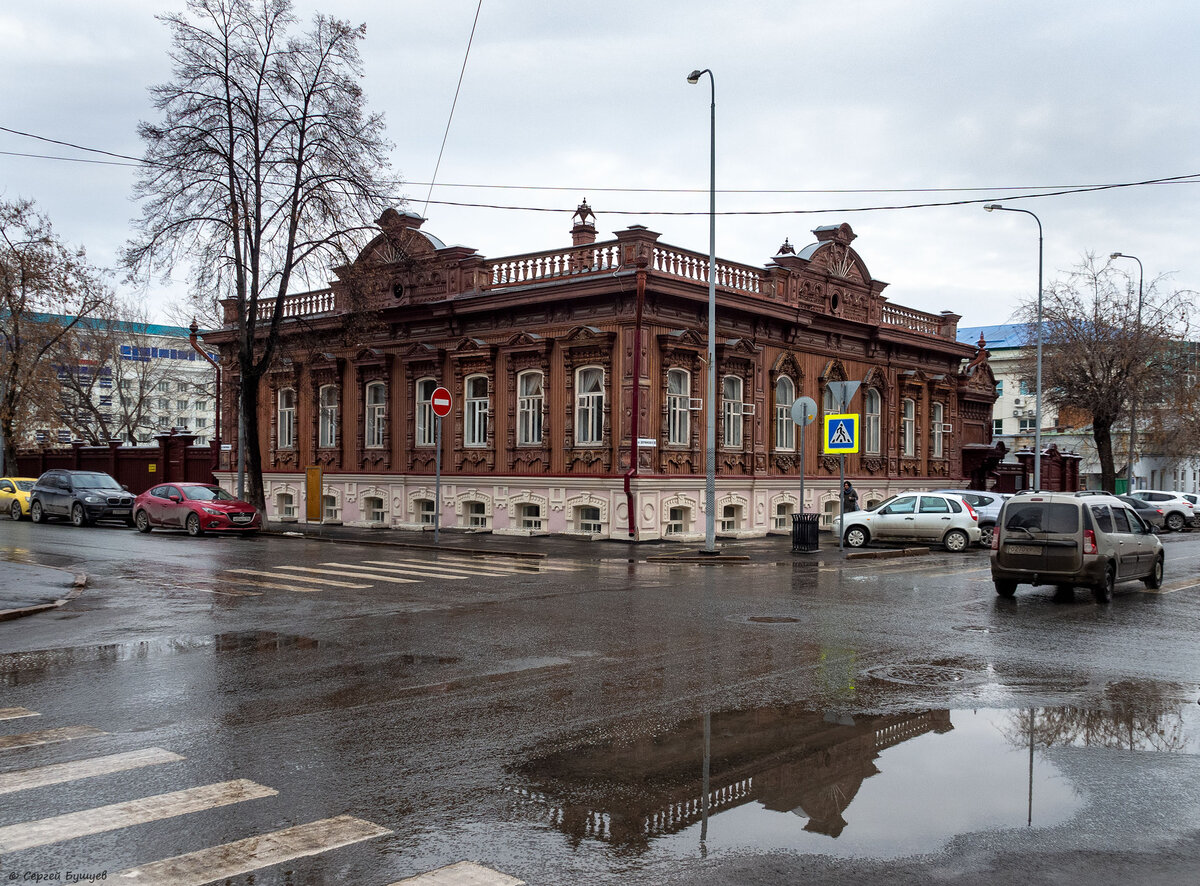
(841, 434)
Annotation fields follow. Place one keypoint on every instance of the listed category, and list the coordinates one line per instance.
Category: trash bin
(805, 528)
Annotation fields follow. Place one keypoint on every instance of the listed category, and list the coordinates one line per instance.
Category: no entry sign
(441, 402)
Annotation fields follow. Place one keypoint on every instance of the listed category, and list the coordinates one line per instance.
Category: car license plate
(242, 518)
(1029, 550)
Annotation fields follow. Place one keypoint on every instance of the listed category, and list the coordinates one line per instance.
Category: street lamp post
(710, 406)
(1133, 404)
(1037, 431)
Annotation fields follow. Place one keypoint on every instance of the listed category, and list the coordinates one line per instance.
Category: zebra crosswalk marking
(243, 856)
(344, 572)
(509, 563)
(423, 571)
(115, 816)
(17, 713)
(60, 773)
(46, 736)
(463, 873)
(448, 569)
(315, 581)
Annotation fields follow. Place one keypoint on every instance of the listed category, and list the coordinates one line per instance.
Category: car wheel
(956, 541)
(1005, 588)
(15, 510)
(35, 512)
(1103, 592)
(193, 525)
(142, 521)
(1154, 580)
(856, 537)
(1175, 521)
(78, 515)
(985, 535)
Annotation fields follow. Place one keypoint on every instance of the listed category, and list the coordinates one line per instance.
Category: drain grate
(920, 675)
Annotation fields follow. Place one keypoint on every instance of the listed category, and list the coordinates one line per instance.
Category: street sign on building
(841, 434)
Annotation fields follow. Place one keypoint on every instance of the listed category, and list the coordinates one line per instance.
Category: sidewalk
(29, 588)
(771, 549)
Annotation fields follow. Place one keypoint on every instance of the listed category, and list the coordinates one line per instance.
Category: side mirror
(123, 486)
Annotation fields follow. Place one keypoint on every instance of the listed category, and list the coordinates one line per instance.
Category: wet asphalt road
(867, 722)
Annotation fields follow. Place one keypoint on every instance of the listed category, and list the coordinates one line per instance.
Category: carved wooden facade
(557, 333)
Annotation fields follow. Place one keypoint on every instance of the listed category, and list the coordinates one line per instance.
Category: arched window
(871, 424)
(589, 406)
(908, 427)
(731, 411)
(785, 428)
(374, 509)
(424, 429)
(530, 397)
(937, 413)
(286, 438)
(376, 415)
(475, 424)
(679, 392)
(328, 401)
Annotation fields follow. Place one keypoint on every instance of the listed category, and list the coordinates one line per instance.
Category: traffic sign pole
(437, 483)
(440, 403)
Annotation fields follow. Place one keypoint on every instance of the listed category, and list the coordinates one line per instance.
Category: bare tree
(1100, 351)
(264, 167)
(45, 287)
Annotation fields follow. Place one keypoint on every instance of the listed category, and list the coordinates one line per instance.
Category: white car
(930, 517)
(1177, 510)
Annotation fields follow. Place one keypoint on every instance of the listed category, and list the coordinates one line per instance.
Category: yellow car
(14, 496)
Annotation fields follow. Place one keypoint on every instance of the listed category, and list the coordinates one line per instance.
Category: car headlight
(93, 499)
(212, 511)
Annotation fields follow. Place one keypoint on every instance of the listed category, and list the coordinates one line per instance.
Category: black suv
(81, 496)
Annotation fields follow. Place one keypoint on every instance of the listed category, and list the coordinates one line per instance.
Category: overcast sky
(999, 97)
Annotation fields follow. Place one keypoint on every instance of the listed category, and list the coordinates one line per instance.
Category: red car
(196, 507)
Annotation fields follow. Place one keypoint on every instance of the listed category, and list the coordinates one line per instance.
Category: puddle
(15, 665)
(846, 784)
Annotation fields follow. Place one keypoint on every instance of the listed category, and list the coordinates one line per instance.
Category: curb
(698, 558)
(487, 552)
(890, 554)
(78, 583)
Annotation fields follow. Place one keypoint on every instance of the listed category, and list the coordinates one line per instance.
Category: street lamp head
(1117, 255)
(988, 207)
(694, 77)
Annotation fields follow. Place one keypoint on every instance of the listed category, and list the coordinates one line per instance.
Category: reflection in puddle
(16, 665)
(878, 786)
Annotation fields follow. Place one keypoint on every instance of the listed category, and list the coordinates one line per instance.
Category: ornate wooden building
(578, 377)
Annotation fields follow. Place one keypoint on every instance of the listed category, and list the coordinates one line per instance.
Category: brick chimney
(584, 230)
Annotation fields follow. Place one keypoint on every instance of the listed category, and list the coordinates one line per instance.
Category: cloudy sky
(823, 108)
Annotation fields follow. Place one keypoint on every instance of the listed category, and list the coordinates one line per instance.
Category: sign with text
(841, 434)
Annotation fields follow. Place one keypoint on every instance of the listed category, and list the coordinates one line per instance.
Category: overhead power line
(1035, 191)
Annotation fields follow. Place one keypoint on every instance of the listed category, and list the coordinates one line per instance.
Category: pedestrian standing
(849, 498)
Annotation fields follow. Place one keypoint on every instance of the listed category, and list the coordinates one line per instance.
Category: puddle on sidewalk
(845, 784)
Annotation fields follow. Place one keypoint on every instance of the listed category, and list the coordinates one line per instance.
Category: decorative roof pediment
(740, 346)
(686, 337)
(583, 334)
(787, 364)
(418, 351)
(367, 356)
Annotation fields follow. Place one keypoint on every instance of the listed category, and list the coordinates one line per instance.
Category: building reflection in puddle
(786, 778)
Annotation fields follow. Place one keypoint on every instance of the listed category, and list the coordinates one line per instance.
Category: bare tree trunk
(1102, 434)
(255, 490)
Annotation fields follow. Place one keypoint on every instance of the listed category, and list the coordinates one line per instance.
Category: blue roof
(1005, 335)
(121, 325)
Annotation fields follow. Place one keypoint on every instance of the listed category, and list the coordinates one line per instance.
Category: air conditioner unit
(1018, 412)
(1018, 401)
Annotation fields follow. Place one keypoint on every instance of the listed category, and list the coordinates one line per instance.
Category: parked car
(987, 506)
(913, 516)
(196, 507)
(1179, 511)
(1195, 500)
(1062, 538)
(14, 496)
(1149, 512)
(82, 497)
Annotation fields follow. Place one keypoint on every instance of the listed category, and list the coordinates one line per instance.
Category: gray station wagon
(1066, 539)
